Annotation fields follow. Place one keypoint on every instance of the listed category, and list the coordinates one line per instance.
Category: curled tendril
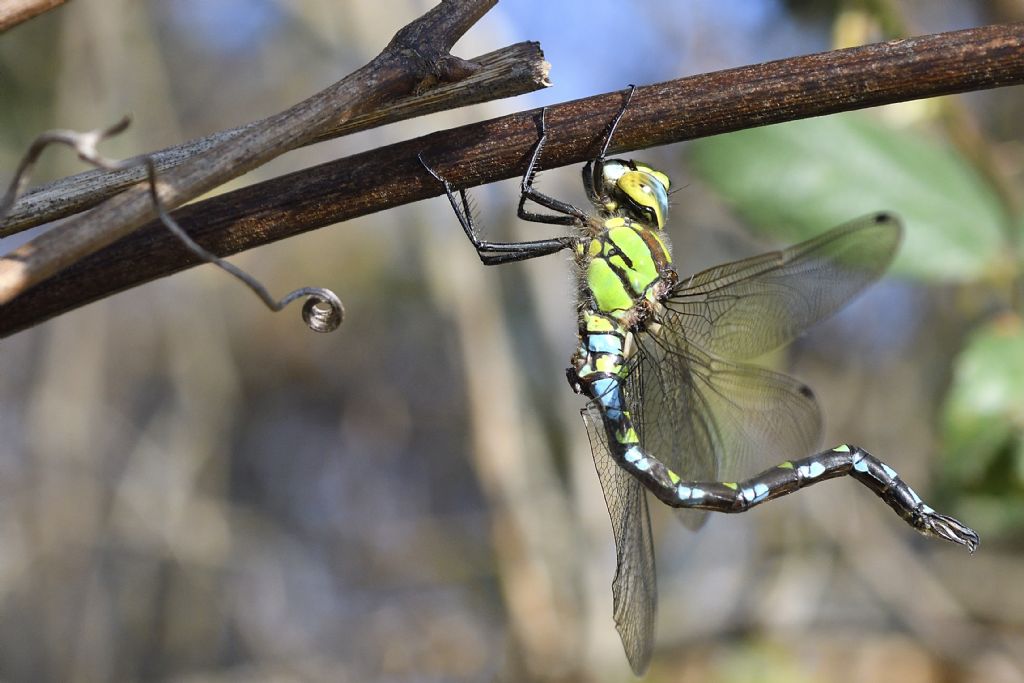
(322, 311)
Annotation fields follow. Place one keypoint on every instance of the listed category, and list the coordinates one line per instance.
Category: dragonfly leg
(791, 476)
(615, 122)
(594, 170)
(570, 215)
(495, 253)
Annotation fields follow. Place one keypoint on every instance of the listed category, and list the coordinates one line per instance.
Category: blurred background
(195, 489)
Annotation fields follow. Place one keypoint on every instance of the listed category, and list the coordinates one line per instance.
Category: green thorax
(625, 269)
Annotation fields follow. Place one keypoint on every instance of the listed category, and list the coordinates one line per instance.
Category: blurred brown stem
(698, 106)
(14, 12)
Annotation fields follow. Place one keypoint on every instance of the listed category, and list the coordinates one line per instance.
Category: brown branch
(14, 12)
(510, 71)
(684, 109)
(418, 54)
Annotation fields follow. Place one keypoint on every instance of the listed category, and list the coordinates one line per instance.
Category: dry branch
(14, 12)
(510, 71)
(418, 54)
(683, 109)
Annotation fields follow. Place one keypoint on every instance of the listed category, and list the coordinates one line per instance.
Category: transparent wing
(713, 420)
(746, 308)
(634, 591)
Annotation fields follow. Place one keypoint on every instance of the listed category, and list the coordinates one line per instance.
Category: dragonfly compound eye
(647, 193)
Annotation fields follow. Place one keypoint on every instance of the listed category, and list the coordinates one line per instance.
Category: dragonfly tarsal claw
(437, 176)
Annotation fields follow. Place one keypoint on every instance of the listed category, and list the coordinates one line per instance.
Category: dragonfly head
(628, 188)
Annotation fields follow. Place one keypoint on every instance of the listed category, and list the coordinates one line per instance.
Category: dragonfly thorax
(628, 188)
(625, 271)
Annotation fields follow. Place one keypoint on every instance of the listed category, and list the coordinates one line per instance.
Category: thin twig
(417, 54)
(512, 70)
(14, 12)
(488, 151)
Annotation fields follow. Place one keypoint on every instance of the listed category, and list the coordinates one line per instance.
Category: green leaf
(795, 180)
(983, 418)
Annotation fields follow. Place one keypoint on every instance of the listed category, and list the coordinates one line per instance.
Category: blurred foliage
(788, 181)
(983, 424)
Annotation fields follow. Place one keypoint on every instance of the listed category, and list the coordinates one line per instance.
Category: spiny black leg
(495, 253)
(596, 166)
(533, 250)
(615, 123)
(792, 476)
(571, 214)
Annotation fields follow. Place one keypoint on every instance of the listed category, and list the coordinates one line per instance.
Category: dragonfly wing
(634, 589)
(672, 419)
(710, 419)
(746, 308)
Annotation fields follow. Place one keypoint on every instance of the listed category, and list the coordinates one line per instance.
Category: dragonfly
(674, 407)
